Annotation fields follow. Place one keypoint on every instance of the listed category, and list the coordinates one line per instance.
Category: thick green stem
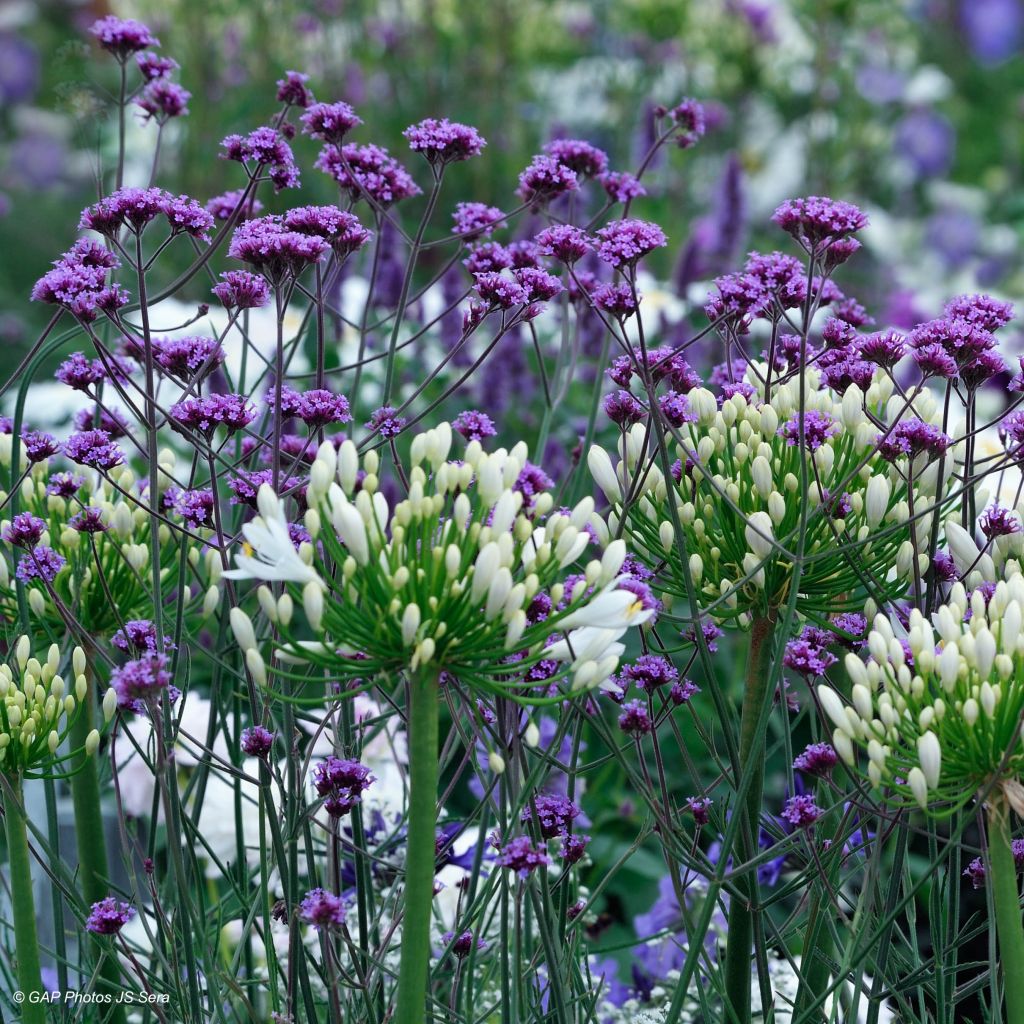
(30, 982)
(1006, 897)
(756, 694)
(420, 846)
(93, 871)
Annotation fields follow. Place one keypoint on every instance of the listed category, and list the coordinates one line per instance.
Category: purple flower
(475, 220)
(108, 916)
(186, 216)
(111, 421)
(563, 241)
(573, 848)
(367, 172)
(546, 179)
(133, 208)
(341, 783)
(246, 485)
(195, 507)
(486, 258)
(137, 683)
(690, 121)
(241, 290)
(322, 909)
(39, 445)
(999, 522)
(41, 563)
(740, 298)
(980, 310)
(635, 719)
(681, 692)
(152, 66)
(24, 530)
(138, 636)
(223, 206)
(474, 425)
(651, 671)
(699, 807)
(183, 357)
(329, 122)
(463, 944)
(615, 299)
(621, 187)
(318, 407)
(264, 147)
(801, 811)
(817, 221)
(64, 485)
(88, 520)
(163, 99)
(553, 813)
(976, 872)
(532, 480)
(500, 291)
(205, 415)
(585, 160)
(340, 229)
(910, 438)
(818, 759)
(122, 36)
(520, 855)
(818, 427)
(292, 89)
(93, 448)
(808, 658)
(624, 242)
(257, 741)
(885, 348)
(623, 408)
(676, 409)
(711, 633)
(386, 422)
(275, 250)
(443, 141)
(540, 286)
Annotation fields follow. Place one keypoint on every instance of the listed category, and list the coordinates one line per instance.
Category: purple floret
(108, 916)
(442, 141)
(340, 784)
(522, 857)
(322, 909)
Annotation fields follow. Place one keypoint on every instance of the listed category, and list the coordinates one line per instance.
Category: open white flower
(270, 555)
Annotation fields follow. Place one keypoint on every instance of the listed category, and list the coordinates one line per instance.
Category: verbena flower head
(238, 289)
(329, 122)
(109, 916)
(584, 159)
(141, 683)
(162, 99)
(621, 187)
(740, 504)
(445, 578)
(367, 172)
(292, 89)
(545, 179)
(939, 720)
(622, 243)
(276, 250)
(322, 909)
(340, 784)
(340, 229)
(442, 141)
(122, 36)
(205, 415)
(475, 220)
(817, 221)
(37, 708)
(262, 149)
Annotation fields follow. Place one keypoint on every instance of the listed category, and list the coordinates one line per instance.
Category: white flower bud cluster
(941, 724)
(37, 706)
(445, 578)
(740, 498)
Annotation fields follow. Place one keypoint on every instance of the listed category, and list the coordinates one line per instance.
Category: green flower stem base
(30, 981)
(93, 872)
(1006, 897)
(741, 914)
(413, 969)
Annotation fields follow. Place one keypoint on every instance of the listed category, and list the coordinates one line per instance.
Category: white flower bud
(876, 500)
(109, 704)
(761, 474)
(496, 762)
(918, 786)
(930, 754)
(601, 470)
(210, 601)
(410, 623)
(759, 535)
(833, 707)
(78, 660)
(241, 626)
(257, 667)
(92, 742)
(313, 604)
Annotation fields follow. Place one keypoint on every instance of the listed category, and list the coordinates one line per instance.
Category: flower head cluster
(340, 229)
(109, 916)
(135, 208)
(37, 708)
(122, 36)
(139, 683)
(545, 179)
(447, 577)
(740, 468)
(329, 122)
(78, 282)
(442, 141)
(622, 243)
(278, 251)
(340, 784)
(163, 99)
(367, 172)
(262, 149)
(238, 289)
(205, 415)
(818, 222)
(322, 909)
(939, 718)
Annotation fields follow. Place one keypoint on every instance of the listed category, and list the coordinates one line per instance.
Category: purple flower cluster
(442, 141)
(78, 282)
(801, 811)
(545, 179)
(292, 89)
(808, 654)
(817, 221)
(522, 857)
(961, 343)
(624, 242)
(140, 682)
(635, 719)
(185, 357)
(367, 172)
(474, 425)
(910, 438)
(205, 415)
(264, 148)
(257, 741)
(621, 186)
(108, 916)
(163, 99)
(386, 422)
(651, 671)
(138, 636)
(340, 229)
(135, 208)
(553, 813)
(623, 409)
(238, 289)
(41, 563)
(277, 251)
(195, 507)
(93, 448)
(818, 759)
(316, 408)
(582, 158)
(122, 36)
(818, 427)
(322, 909)
(340, 784)
(329, 122)
(24, 531)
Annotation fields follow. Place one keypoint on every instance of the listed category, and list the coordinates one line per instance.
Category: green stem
(756, 693)
(1006, 897)
(30, 981)
(93, 872)
(420, 845)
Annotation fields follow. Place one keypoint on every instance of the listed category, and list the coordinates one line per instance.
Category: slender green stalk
(741, 909)
(93, 871)
(419, 858)
(26, 940)
(1006, 897)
